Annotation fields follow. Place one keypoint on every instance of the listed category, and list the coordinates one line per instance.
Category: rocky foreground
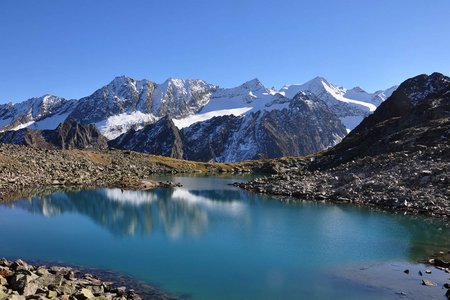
(19, 280)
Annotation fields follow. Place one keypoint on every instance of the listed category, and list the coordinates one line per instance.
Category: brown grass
(93, 156)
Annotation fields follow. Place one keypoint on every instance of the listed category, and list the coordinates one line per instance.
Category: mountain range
(195, 120)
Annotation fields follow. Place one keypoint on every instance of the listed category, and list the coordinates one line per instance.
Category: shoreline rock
(20, 280)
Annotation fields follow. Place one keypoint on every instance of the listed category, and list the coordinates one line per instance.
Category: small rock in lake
(427, 282)
(406, 271)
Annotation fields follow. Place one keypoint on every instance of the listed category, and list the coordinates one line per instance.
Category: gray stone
(428, 282)
(85, 294)
(30, 288)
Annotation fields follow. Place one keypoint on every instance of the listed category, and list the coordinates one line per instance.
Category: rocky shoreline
(409, 182)
(19, 280)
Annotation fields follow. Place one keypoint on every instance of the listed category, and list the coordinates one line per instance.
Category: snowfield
(188, 121)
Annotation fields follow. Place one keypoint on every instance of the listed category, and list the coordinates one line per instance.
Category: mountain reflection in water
(203, 205)
(128, 213)
(214, 241)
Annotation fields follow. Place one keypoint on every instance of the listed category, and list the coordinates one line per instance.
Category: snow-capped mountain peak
(33, 111)
(126, 103)
(351, 105)
(358, 89)
(253, 85)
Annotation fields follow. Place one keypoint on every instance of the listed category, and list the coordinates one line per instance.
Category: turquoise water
(213, 241)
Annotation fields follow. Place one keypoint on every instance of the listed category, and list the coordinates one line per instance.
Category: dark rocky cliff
(160, 138)
(68, 135)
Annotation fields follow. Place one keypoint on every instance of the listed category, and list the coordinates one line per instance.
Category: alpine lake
(210, 240)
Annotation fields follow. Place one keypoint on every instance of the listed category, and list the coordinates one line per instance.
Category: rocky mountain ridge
(127, 103)
(305, 126)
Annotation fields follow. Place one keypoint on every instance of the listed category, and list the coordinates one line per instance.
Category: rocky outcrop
(397, 159)
(27, 137)
(68, 135)
(72, 135)
(414, 182)
(161, 138)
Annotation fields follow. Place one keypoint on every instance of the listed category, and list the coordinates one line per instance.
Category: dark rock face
(208, 140)
(72, 135)
(68, 135)
(26, 136)
(160, 138)
(308, 126)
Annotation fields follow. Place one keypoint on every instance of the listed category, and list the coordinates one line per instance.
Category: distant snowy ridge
(44, 112)
(126, 103)
(350, 105)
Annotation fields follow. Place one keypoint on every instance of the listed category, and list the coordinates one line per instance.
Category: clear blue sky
(70, 48)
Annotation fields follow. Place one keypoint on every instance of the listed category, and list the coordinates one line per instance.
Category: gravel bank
(414, 182)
